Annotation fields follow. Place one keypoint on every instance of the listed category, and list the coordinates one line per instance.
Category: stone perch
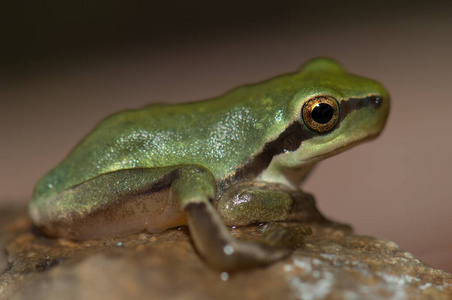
(334, 263)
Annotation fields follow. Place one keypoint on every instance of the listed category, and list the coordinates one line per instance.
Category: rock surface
(333, 264)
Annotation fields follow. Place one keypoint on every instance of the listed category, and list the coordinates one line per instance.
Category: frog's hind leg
(193, 188)
(113, 204)
(155, 199)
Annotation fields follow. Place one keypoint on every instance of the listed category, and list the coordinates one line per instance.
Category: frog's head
(331, 112)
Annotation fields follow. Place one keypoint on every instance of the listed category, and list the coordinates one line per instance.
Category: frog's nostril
(377, 100)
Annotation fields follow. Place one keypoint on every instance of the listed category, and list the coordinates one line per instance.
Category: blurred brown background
(66, 65)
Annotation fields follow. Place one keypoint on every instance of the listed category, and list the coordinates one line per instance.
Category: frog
(233, 160)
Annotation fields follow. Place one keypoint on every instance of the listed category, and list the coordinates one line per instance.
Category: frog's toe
(304, 209)
(286, 236)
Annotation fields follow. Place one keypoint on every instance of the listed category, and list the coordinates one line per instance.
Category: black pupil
(322, 113)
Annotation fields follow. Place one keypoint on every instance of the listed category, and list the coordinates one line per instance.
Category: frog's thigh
(255, 202)
(113, 204)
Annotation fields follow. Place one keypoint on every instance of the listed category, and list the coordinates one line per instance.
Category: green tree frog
(237, 159)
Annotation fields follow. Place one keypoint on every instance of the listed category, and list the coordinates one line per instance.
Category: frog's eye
(321, 113)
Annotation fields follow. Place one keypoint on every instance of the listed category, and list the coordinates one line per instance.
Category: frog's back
(125, 140)
(209, 133)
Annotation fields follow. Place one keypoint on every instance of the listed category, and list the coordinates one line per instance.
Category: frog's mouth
(342, 148)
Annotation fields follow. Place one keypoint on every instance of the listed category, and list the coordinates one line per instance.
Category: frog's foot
(304, 209)
(283, 235)
(225, 253)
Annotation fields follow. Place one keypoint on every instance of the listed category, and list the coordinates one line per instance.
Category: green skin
(237, 159)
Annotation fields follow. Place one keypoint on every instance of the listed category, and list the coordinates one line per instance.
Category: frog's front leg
(193, 188)
(256, 202)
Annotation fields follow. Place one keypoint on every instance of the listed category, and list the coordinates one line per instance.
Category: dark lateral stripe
(347, 106)
(289, 140)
